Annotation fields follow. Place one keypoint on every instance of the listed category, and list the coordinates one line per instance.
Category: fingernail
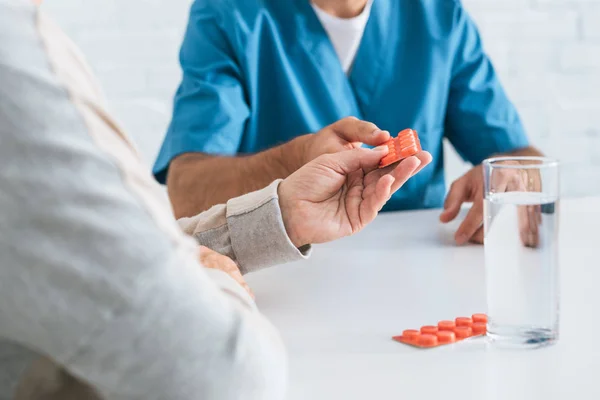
(381, 148)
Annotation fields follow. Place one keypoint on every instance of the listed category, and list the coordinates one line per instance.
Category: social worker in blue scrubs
(257, 73)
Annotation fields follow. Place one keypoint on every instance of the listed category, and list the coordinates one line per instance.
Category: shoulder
(241, 20)
(244, 11)
(440, 17)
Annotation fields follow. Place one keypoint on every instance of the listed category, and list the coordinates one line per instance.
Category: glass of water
(521, 250)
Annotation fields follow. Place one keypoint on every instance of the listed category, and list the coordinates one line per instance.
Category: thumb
(353, 130)
(349, 161)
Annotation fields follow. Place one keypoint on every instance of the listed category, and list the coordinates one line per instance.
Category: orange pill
(463, 332)
(410, 335)
(464, 321)
(429, 329)
(446, 325)
(446, 337)
(428, 340)
(406, 144)
(479, 328)
(479, 318)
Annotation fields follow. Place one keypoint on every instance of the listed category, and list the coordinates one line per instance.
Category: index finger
(423, 157)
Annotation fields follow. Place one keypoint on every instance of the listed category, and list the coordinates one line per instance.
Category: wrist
(287, 217)
(296, 154)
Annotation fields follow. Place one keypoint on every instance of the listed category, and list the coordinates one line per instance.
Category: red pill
(429, 329)
(464, 321)
(479, 318)
(479, 328)
(446, 326)
(428, 340)
(446, 337)
(410, 335)
(463, 332)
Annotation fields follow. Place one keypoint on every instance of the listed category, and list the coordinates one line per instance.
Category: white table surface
(338, 311)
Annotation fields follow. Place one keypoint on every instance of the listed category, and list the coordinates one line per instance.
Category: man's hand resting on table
(470, 189)
(336, 195)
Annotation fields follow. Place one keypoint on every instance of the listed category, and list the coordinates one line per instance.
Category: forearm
(198, 181)
(248, 229)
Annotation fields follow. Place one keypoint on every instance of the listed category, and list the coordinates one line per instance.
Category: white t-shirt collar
(345, 33)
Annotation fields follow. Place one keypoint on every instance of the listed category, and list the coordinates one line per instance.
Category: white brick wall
(547, 53)
(133, 46)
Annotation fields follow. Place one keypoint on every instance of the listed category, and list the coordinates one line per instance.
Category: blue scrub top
(257, 73)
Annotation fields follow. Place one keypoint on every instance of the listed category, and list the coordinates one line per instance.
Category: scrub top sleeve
(480, 119)
(210, 107)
